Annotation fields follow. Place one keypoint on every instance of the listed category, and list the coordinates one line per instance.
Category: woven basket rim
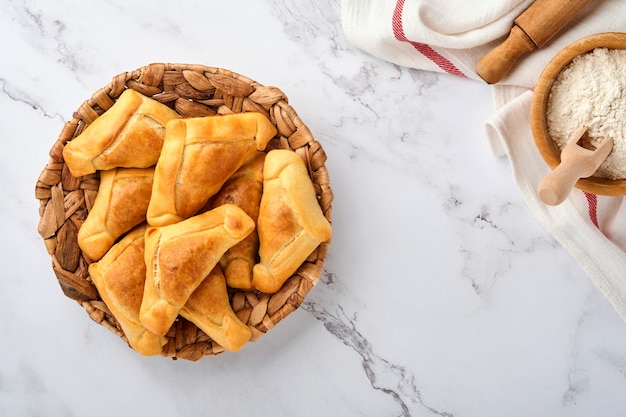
(193, 90)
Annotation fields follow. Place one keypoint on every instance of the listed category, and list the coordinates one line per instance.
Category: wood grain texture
(539, 107)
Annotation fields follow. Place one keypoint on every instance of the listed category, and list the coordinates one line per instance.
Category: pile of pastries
(186, 208)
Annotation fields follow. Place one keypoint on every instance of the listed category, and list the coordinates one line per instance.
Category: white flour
(591, 91)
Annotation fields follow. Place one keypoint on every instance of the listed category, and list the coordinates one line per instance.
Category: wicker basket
(193, 91)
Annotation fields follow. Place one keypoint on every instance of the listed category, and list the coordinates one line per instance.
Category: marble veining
(441, 294)
(394, 380)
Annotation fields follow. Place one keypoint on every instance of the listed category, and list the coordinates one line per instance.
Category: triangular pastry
(244, 189)
(209, 308)
(119, 277)
(179, 256)
(129, 135)
(120, 205)
(290, 224)
(199, 155)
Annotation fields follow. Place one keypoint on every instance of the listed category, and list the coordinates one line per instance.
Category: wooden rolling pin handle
(496, 64)
(557, 185)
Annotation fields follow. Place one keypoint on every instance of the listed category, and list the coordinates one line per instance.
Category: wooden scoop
(576, 162)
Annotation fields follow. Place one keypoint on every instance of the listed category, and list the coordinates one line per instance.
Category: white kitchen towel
(451, 36)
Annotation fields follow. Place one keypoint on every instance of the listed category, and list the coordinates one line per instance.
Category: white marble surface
(441, 295)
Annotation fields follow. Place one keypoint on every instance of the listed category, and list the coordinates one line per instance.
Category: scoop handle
(557, 185)
(494, 65)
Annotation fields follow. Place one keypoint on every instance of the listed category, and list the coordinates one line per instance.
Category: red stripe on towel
(422, 48)
(592, 200)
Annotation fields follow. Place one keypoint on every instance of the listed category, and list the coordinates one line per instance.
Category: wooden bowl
(538, 110)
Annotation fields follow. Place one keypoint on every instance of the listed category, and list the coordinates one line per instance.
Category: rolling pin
(532, 29)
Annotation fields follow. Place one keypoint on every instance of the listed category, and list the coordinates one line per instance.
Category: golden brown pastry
(128, 135)
(179, 256)
(119, 277)
(209, 309)
(290, 224)
(120, 205)
(244, 189)
(198, 156)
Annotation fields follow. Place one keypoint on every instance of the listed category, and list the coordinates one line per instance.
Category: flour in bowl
(591, 91)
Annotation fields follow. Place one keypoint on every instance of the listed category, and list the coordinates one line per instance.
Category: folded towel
(451, 36)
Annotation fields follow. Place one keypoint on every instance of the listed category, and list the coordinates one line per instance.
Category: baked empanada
(119, 277)
(179, 256)
(128, 135)
(121, 204)
(290, 223)
(243, 189)
(198, 156)
(209, 308)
